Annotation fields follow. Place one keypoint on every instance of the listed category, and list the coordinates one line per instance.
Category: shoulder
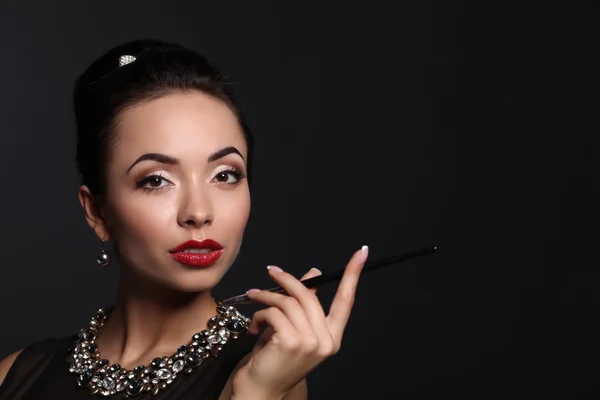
(34, 352)
(6, 363)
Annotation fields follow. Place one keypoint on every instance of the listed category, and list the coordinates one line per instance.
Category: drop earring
(104, 258)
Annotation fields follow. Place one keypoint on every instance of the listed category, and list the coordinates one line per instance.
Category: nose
(195, 209)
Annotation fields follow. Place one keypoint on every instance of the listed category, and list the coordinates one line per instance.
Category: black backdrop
(397, 125)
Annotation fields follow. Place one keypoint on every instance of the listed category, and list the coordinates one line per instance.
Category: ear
(93, 214)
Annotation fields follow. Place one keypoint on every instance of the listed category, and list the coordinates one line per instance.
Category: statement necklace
(103, 379)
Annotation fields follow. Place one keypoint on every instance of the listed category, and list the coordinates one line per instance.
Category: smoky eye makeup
(154, 181)
(229, 175)
(229, 172)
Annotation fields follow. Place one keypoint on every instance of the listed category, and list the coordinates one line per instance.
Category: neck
(150, 320)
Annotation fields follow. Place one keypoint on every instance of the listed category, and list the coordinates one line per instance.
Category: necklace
(104, 379)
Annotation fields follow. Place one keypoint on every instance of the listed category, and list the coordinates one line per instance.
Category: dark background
(397, 125)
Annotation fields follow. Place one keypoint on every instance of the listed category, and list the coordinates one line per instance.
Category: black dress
(40, 372)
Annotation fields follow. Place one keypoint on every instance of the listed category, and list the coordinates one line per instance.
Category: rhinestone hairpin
(126, 59)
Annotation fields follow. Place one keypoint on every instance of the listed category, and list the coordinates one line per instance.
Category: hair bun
(130, 73)
(122, 55)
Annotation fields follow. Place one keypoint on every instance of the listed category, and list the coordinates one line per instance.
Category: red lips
(187, 253)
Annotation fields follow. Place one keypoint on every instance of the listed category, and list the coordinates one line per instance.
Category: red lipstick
(197, 254)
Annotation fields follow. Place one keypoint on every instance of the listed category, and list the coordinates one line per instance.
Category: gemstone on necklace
(108, 383)
(178, 366)
(235, 325)
(214, 339)
(85, 378)
(163, 374)
(148, 372)
(182, 350)
(134, 387)
(102, 378)
(138, 369)
(156, 363)
(224, 333)
(193, 360)
(121, 385)
(213, 320)
(86, 334)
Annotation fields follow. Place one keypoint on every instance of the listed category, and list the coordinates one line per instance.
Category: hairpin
(126, 59)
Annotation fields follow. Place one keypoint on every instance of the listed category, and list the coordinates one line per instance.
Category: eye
(230, 176)
(152, 182)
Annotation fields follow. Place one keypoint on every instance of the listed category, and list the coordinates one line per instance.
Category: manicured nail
(274, 268)
(364, 253)
(253, 291)
(316, 270)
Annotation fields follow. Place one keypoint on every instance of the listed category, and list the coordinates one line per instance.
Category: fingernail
(316, 270)
(253, 291)
(364, 253)
(274, 268)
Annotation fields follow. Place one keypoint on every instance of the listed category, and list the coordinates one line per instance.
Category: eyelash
(140, 184)
(239, 175)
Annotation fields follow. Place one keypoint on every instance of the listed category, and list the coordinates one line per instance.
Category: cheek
(238, 223)
(142, 218)
(235, 210)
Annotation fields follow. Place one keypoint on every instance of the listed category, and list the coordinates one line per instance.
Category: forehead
(183, 125)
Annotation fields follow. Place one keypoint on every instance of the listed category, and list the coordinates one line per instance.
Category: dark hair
(106, 89)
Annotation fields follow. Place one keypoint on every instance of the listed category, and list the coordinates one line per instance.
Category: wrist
(254, 395)
(247, 390)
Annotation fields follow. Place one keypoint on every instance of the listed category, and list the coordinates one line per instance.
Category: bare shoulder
(299, 392)
(6, 363)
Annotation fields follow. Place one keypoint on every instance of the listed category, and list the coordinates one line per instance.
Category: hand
(298, 335)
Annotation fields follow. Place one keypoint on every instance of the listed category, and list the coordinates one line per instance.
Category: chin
(180, 278)
(193, 281)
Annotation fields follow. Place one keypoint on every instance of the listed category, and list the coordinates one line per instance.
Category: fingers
(305, 297)
(317, 319)
(315, 332)
(311, 274)
(289, 306)
(273, 317)
(344, 297)
(302, 310)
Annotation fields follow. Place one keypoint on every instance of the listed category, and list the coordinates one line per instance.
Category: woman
(165, 154)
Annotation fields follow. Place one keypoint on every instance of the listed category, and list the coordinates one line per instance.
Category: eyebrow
(224, 152)
(165, 159)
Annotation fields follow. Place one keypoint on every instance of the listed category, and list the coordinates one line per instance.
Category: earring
(104, 258)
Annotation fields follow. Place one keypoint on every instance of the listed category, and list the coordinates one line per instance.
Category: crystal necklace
(104, 379)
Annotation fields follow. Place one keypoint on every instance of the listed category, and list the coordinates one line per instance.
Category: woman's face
(177, 173)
